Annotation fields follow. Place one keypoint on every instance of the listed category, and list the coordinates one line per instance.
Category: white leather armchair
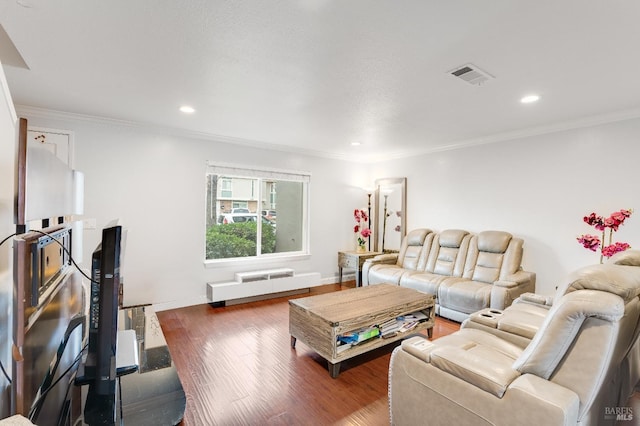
(565, 376)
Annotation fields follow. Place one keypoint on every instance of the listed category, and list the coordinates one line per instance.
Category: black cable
(5, 240)
(71, 261)
(38, 402)
(73, 324)
(64, 410)
(5, 372)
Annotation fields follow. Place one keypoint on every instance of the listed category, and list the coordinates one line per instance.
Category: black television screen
(103, 315)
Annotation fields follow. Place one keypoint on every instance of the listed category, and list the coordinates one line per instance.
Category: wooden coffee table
(318, 320)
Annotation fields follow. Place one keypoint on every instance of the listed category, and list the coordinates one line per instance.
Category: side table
(352, 259)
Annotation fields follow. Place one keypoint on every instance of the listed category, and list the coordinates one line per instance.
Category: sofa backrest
(622, 279)
(493, 255)
(448, 253)
(412, 247)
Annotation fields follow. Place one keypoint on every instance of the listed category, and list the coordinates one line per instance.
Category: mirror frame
(379, 235)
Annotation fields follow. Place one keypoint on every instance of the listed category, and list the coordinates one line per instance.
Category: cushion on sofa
(412, 248)
(448, 253)
(464, 295)
(494, 241)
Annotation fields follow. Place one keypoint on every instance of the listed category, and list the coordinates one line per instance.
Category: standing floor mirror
(390, 214)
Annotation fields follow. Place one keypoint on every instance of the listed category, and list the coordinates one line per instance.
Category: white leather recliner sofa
(569, 374)
(465, 272)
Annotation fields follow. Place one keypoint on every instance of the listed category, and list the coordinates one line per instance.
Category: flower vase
(361, 249)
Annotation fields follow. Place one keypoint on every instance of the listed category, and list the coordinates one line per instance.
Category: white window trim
(235, 170)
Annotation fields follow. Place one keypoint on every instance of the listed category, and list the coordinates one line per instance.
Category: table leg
(430, 332)
(339, 274)
(293, 342)
(334, 369)
(358, 278)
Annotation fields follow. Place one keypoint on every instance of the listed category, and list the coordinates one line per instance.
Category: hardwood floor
(237, 367)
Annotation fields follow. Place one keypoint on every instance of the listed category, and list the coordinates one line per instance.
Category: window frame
(261, 174)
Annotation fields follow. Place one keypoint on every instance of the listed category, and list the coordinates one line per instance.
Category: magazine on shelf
(360, 335)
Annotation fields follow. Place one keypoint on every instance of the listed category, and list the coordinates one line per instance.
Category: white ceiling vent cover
(471, 74)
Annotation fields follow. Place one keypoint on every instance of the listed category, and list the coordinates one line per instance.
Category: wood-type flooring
(237, 367)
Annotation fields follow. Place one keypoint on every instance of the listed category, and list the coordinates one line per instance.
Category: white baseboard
(220, 292)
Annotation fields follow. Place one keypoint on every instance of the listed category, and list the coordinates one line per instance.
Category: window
(225, 189)
(243, 222)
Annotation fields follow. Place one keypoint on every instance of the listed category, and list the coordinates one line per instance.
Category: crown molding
(45, 113)
(585, 122)
(592, 121)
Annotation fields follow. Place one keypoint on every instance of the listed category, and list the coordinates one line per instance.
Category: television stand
(152, 395)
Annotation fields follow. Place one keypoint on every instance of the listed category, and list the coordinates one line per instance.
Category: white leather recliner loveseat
(569, 374)
(465, 272)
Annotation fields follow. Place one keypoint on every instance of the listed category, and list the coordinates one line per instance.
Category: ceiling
(318, 75)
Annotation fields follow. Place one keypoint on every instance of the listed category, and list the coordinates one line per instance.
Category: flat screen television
(99, 367)
(103, 315)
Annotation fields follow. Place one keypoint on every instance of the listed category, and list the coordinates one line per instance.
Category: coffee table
(318, 320)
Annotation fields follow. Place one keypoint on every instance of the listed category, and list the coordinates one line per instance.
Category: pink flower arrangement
(613, 222)
(364, 232)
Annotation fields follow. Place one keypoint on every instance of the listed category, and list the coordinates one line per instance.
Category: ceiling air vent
(471, 74)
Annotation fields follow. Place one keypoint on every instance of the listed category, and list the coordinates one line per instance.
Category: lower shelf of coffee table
(377, 342)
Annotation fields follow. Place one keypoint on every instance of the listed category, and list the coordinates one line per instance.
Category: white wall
(7, 171)
(538, 188)
(155, 183)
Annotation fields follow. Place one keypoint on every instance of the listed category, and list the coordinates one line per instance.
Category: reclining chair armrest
(505, 291)
(535, 299)
(489, 376)
(517, 279)
(386, 259)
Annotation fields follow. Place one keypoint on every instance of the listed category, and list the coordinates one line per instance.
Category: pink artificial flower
(359, 215)
(617, 218)
(365, 232)
(591, 242)
(597, 221)
(356, 229)
(612, 249)
(612, 222)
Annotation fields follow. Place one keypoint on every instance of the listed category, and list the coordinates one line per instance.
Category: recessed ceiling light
(356, 143)
(530, 99)
(187, 109)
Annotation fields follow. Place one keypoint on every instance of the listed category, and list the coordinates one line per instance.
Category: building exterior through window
(245, 206)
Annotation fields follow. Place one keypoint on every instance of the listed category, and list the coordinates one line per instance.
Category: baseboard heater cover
(257, 283)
